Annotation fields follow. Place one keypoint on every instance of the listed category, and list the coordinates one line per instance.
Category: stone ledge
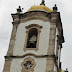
(37, 56)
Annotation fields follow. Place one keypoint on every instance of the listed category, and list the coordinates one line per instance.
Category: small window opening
(32, 38)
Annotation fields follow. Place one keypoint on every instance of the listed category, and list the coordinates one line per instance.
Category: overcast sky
(9, 6)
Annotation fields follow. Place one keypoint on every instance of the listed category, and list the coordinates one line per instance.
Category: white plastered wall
(43, 41)
(40, 64)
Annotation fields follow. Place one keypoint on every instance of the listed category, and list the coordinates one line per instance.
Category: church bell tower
(36, 41)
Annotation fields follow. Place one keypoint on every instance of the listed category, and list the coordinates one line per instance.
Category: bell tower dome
(36, 41)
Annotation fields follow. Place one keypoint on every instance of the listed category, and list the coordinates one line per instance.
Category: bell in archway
(32, 42)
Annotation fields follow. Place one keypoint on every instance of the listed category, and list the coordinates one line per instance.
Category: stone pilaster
(50, 60)
(11, 47)
(7, 65)
(12, 40)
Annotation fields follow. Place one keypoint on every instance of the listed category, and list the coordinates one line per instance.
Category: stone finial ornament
(66, 70)
(55, 8)
(43, 2)
(19, 9)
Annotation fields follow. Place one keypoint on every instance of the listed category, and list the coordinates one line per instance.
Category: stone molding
(28, 70)
(28, 28)
(30, 54)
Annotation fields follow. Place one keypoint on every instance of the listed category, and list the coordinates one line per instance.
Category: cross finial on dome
(43, 2)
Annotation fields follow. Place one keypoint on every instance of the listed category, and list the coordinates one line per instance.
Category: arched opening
(32, 38)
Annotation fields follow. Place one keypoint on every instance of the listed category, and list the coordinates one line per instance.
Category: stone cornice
(30, 54)
(30, 14)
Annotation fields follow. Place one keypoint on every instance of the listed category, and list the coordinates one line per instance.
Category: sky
(8, 7)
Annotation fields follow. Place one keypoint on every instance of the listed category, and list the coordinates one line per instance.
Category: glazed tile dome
(40, 7)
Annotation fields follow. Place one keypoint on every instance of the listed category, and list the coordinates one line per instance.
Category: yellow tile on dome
(41, 7)
(62, 71)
